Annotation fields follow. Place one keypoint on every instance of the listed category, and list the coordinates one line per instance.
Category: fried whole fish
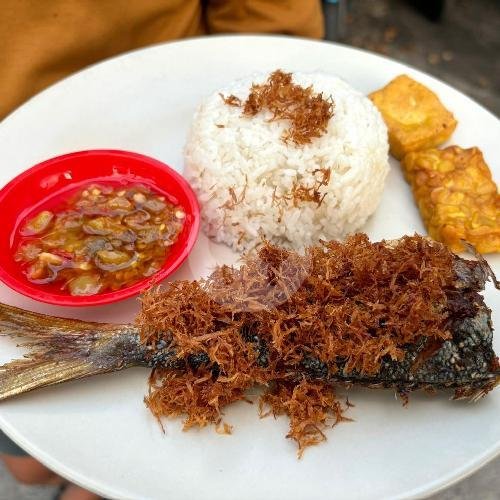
(405, 314)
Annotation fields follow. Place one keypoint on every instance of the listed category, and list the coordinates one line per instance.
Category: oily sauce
(101, 238)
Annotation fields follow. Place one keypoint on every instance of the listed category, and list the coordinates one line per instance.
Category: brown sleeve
(294, 17)
(41, 41)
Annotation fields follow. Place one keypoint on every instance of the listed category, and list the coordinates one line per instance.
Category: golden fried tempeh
(456, 196)
(414, 115)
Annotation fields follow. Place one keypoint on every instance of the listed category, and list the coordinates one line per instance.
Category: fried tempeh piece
(414, 115)
(456, 196)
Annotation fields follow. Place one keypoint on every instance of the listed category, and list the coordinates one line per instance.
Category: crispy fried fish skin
(456, 196)
(414, 115)
(465, 363)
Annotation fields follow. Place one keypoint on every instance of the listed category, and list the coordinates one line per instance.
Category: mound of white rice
(244, 174)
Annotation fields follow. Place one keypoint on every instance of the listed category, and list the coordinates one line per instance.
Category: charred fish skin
(119, 352)
(466, 362)
(164, 355)
(471, 275)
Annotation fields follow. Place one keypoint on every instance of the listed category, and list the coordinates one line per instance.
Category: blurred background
(457, 41)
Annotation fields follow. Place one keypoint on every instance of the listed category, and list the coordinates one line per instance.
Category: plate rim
(249, 36)
(428, 488)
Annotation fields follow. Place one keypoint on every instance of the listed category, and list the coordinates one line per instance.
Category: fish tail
(60, 349)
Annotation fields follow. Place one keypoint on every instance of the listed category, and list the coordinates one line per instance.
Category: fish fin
(19, 376)
(474, 394)
(483, 263)
(62, 349)
(480, 393)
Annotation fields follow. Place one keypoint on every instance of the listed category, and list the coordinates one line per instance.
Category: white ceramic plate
(98, 432)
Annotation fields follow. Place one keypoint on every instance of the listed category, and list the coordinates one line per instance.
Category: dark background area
(462, 48)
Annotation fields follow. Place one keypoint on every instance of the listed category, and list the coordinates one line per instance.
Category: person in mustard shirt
(43, 41)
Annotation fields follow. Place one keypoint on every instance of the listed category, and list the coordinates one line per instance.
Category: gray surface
(10, 490)
(483, 485)
(461, 50)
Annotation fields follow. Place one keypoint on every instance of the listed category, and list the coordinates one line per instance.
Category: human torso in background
(43, 41)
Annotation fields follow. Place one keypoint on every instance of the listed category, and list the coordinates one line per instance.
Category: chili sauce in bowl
(102, 238)
(94, 227)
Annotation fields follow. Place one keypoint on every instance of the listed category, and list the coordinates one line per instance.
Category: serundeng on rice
(253, 184)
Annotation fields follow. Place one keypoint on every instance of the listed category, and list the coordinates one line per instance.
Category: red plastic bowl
(52, 178)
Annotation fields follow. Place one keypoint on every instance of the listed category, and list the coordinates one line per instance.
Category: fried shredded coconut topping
(287, 322)
(312, 194)
(307, 112)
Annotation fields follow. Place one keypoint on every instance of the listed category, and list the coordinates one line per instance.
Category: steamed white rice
(243, 172)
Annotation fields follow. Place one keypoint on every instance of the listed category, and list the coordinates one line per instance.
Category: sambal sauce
(102, 239)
